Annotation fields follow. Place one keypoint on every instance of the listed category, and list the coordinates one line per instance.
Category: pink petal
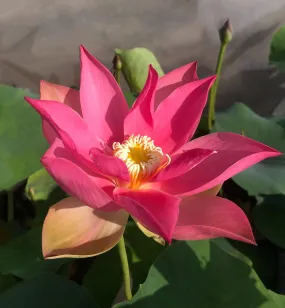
(155, 210)
(234, 154)
(54, 92)
(102, 101)
(75, 135)
(67, 123)
(174, 79)
(140, 118)
(178, 116)
(74, 230)
(203, 217)
(182, 163)
(110, 164)
(92, 191)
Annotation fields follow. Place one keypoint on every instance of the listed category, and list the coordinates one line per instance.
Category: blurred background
(39, 39)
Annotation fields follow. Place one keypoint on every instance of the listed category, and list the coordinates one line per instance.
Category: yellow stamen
(142, 158)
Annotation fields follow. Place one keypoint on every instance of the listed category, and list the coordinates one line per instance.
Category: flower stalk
(125, 268)
(225, 33)
(117, 66)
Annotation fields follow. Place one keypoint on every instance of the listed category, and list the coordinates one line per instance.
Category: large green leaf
(263, 258)
(46, 291)
(43, 191)
(130, 98)
(202, 274)
(136, 62)
(40, 185)
(277, 49)
(279, 299)
(104, 279)
(21, 140)
(142, 252)
(269, 218)
(267, 177)
(6, 282)
(22, 256)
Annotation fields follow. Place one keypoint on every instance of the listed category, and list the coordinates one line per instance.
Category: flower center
(142, 158)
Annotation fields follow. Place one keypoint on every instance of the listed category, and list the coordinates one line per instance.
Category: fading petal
(177, 117)
(140, 118)
(54, 92)
(74, 230)
(234, 154)
(212, 191)
(61, 165)
(202, 217)
(155, 210)
(150, 234)
(182, 163)
(174, 79)
(102, 101)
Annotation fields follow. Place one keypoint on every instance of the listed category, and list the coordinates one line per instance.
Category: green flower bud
(226, 32)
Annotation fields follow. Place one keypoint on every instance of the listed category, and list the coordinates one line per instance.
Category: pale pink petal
(177, 117)
(61, 165)
(102, 102)
(54, 92)
(182, 163)
(155, 210)
(73, 230)
(174, 79)
(203, 217)
(140, 118)
(234, 154)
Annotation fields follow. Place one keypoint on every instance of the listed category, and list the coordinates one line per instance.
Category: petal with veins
(203, 217)
(73, 230)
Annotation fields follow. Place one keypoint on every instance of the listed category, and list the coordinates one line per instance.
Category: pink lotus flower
(117, 162)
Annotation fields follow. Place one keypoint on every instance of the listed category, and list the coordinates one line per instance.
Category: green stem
(125, 268)
(213, 91)
(10, 205)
